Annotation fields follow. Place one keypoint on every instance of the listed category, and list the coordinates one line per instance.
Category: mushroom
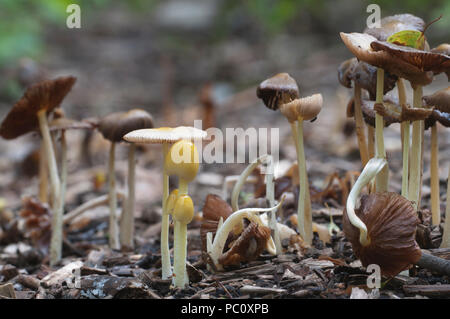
(28, 114)
(165, 136)
(182, 160)
(441, 101)
(114, 127)
(300, 110)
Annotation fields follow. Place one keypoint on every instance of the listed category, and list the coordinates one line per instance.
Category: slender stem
(371, 141)
(179, 262)
(43, 175)
(270, 195)
(435, 205)
(382, 179)
(183, 186)
(405, 135)
(446, 234)
(56, 239)
(165, 252)
(63, 165)
(127, 220)
(416, 153)
(304, 205)
(363, 151)
(113, 226)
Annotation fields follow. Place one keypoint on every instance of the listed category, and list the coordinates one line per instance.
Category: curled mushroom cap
(115, 125)
(364, 75)
(420, 59)
(45, 95)
(307, 108)
(362, 46)
(277, 90)
(391, 222)
(440, 100)
(394, 24)
(165, 135)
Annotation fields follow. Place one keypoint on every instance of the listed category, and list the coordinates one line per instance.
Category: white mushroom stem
(57, 207)
(304, 214)
(446, 235)
(43, 174)
(405, 138)
(127, 220)
(215, 249)
(382, 179)
(180, 278)
(241, 181)
(373, 167)
(113, 225)
(416, 154)
(165, 252)
(63, 165)
(435, 205)
(359, 123)
(270, 195)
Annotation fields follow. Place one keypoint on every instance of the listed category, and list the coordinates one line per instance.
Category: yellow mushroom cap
(163, 135)
(171, 199)
(182, 160)
(183, 211)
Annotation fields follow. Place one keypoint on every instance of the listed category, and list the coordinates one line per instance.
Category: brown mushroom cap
(391, 222)
(277, 90)
(420, 59)
(116, 125)
(440, 100)
(362, 46)
(369, 111)
(345, 72)
(306, 107)
(437, 116)
(394, 24)
(45, 95)
(403, 112)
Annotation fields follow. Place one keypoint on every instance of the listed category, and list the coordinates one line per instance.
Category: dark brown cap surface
(278, 90)
(391, 222)
(115, 125)
(45, 95)
(440, 100)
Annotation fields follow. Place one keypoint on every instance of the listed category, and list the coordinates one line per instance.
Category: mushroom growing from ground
(28, 114)
(114, 127)
(441, 101)
(165, 136)
(303, 109)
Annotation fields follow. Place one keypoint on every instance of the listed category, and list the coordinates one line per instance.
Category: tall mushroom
(29, 113)
(165, 136)
(441, 101)
(114, 127)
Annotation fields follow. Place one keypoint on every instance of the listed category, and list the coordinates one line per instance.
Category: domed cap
(394, 24)
(45, 95)
(391, 222)
(362, 46)
(440, 100)
(116, 125)
(277, 90)
(307, 108)
(165, 135)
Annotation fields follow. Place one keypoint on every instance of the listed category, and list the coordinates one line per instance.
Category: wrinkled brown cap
(394, 24)
(369, 112)
(248, 247)
(45, 95)
(307, 108)
(391, 222)
(423, 60)
(214, 208)
(365, 47)
(277, 90)
(440, 100)
(402, 113)
(116, 125)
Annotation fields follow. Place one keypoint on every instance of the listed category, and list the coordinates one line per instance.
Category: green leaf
(408, 38)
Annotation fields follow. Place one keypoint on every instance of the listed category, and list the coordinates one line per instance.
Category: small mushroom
(165, 136)
(300, 110)
(277, 90)
(441, 101)
(114, 127)
(29, 114)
